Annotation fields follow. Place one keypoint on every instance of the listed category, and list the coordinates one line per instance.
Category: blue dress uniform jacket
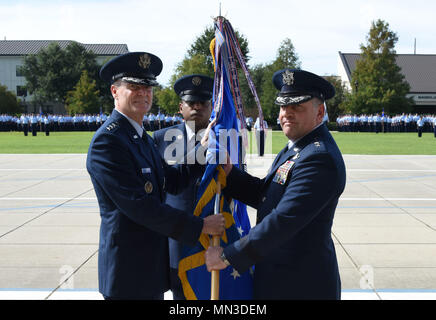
(130, 180)
(291, 245)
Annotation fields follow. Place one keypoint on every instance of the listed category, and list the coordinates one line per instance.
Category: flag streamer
(228, 109)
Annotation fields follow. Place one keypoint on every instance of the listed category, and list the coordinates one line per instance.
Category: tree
(335, 105)
(286, 58)
(257, 73)
(166, 99)
(193, 64)
(202, 43)
(53, 71)
(8, 101)
(85, 97)
(377, 81)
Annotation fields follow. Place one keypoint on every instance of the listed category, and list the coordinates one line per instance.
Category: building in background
(419, 71)
(12, 54)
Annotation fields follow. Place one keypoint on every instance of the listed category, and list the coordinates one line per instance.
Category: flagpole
(215, 280)
(215, 276)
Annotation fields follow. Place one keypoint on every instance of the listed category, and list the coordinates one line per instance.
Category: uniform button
(263, 199)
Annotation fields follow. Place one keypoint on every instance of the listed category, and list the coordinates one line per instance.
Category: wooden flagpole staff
(215, 280)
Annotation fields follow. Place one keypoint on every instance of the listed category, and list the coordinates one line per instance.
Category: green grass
(56, 142)
(349, 143)
(372, 143)
(385, 143)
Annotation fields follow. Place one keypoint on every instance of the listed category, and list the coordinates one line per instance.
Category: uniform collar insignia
(112, 126)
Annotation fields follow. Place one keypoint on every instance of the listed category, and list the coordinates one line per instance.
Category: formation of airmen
(33, 123)
(153, 122)
(384, 123)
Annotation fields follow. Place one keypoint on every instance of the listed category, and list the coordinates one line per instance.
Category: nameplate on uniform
(283, 171)
(146, 170)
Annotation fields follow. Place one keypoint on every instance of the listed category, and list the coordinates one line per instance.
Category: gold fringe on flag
(212, 51)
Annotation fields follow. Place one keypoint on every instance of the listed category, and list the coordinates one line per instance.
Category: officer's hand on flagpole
(214, 225)
(213, 259)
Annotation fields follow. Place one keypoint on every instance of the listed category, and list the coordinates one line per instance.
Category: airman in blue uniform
(173, 143)
(131, 180)
(420, 125)
(291, 245)
(434, 125)
(25, 124)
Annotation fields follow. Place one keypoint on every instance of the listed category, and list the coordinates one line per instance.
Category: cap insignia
(144, 61)
(288, 77)
(196, 81)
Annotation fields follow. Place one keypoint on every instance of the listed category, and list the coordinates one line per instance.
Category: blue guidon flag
(230, 122)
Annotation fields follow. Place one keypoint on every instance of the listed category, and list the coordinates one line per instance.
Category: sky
(318, 29)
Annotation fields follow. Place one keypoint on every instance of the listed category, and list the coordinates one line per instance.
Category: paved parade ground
(384, 228)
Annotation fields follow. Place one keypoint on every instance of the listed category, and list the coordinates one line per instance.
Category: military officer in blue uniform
(291, 245)
(195, 92)
(25, 124)
(130, 180)
(33, 124)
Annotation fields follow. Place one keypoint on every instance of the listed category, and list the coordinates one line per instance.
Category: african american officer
(195, 92)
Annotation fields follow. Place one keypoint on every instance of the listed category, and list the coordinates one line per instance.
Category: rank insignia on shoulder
(148, 187)
(282, 172)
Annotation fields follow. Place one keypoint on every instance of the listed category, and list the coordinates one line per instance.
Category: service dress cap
(133, 67)
(194, 87)
(297, 86)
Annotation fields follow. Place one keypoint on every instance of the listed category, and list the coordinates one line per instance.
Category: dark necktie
(154, 158)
